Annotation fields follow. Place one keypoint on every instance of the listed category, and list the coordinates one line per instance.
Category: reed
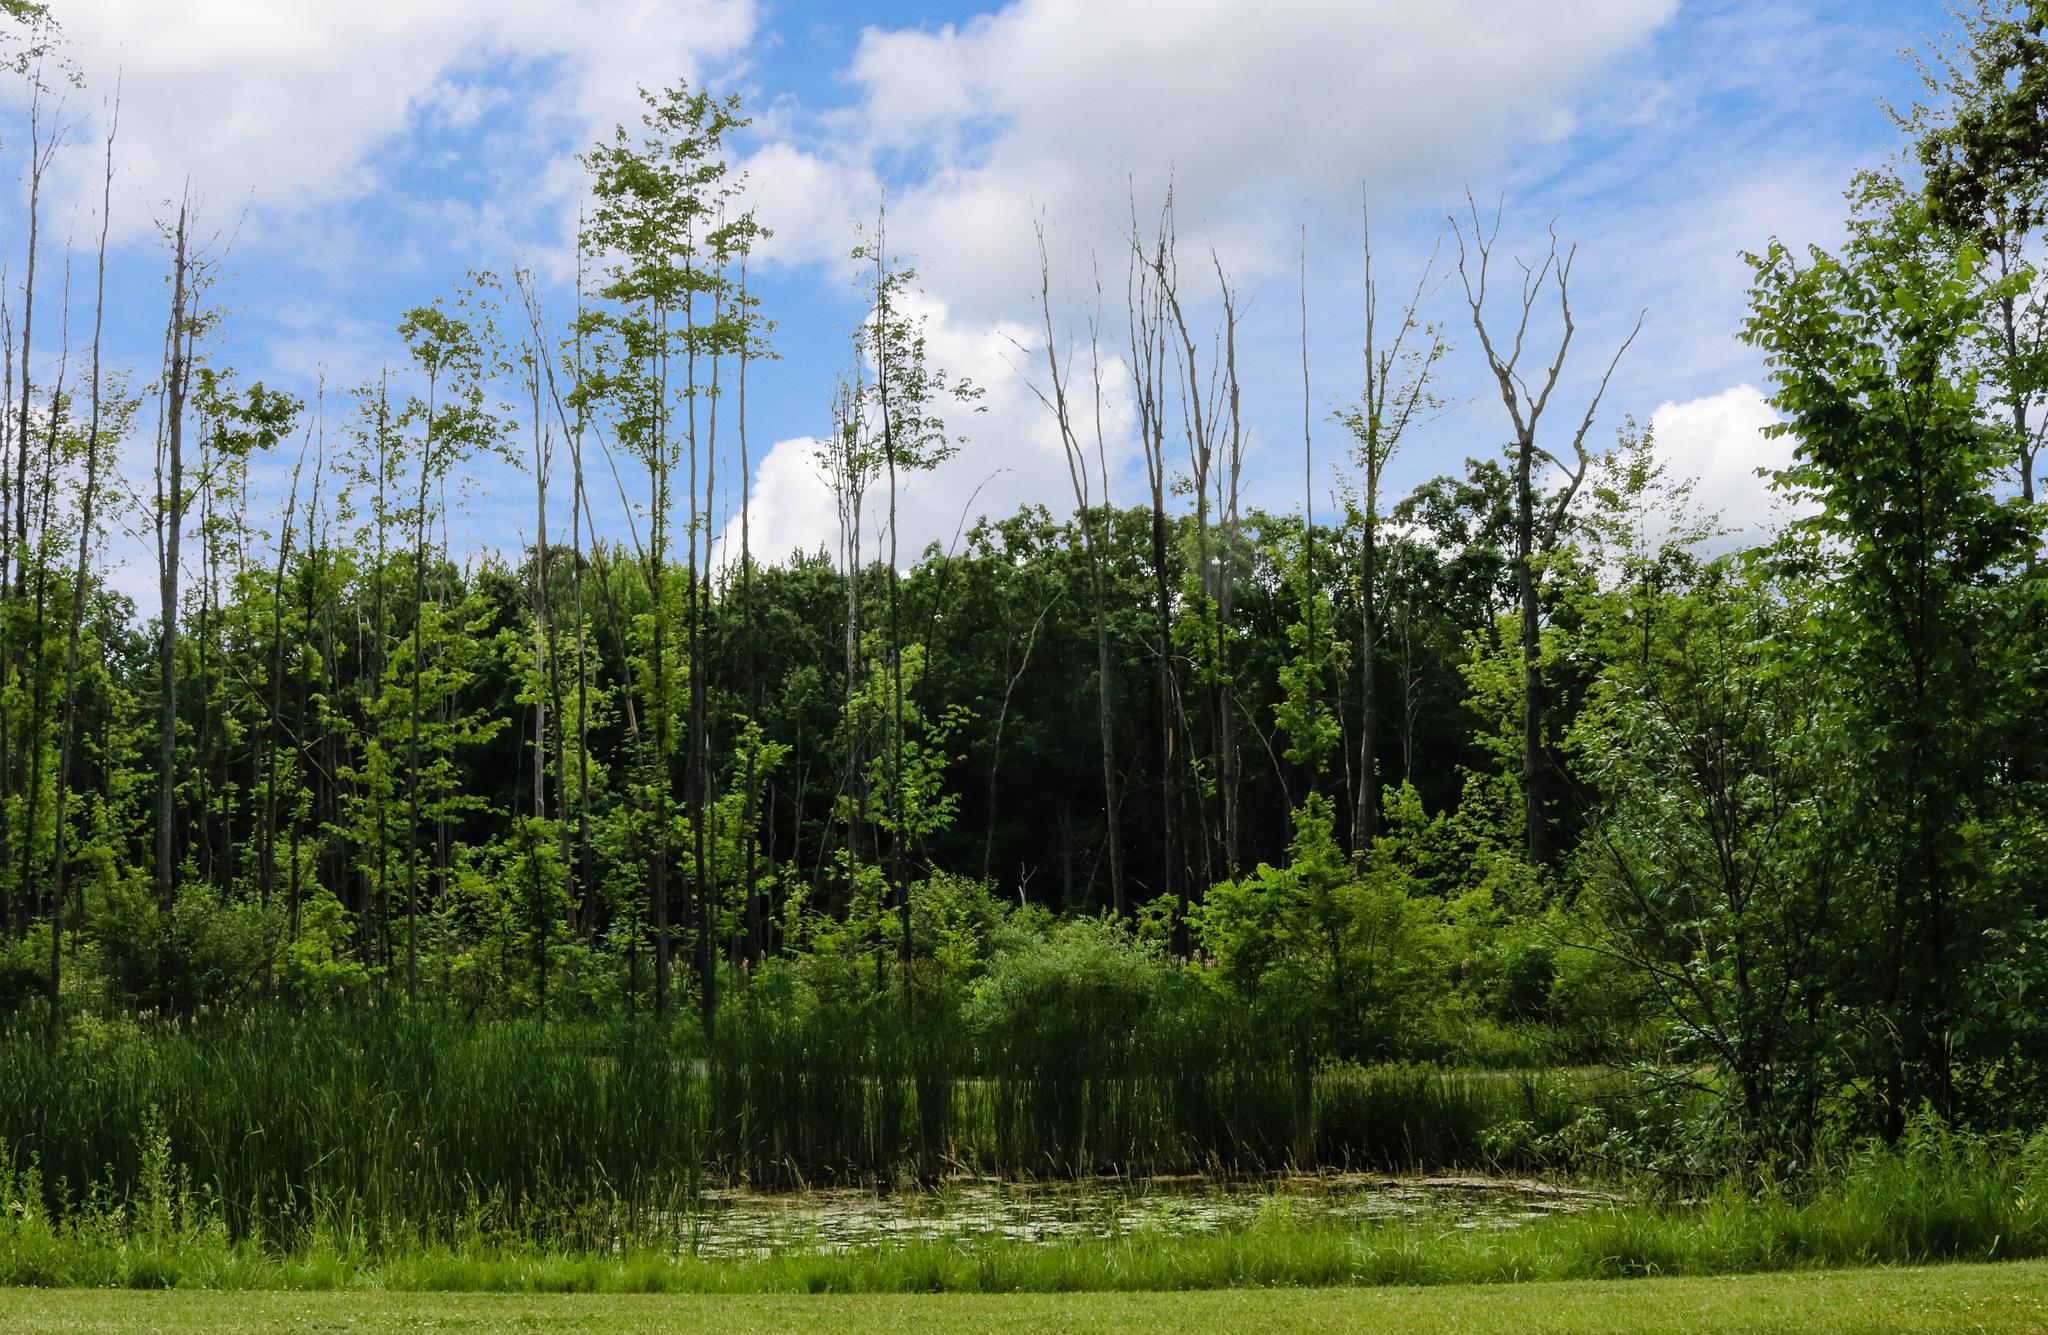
(1926, 1202)
(412, 1125)
(288, 1121)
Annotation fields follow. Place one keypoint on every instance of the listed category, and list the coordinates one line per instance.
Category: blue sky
(362, 157)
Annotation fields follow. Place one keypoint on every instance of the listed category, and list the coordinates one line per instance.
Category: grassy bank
(1936, 1200)
(282, 1152)
(1996, 1299)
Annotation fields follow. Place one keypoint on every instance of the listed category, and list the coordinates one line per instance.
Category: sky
(356, 159)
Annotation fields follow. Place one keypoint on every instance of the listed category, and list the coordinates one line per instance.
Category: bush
(203, 953)
(24, 967)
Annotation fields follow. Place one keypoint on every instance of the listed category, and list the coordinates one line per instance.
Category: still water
(745, 1223)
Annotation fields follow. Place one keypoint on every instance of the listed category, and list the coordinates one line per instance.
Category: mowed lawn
(1994, 1298)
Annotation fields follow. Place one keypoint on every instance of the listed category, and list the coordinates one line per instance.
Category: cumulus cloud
(793, 507)
(1719, 441)
(1071, 111)
(1012, 451)
(1070, 106)
(808, 201)
(1258, 116)
(288, 106)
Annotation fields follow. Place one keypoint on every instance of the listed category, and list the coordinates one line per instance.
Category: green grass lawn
(1994, 1298)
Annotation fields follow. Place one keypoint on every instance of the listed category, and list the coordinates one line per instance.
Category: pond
(737, 1223)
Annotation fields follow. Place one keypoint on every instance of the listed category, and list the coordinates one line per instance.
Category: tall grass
(1168, 1082)
(287, 1122)
(379, 1123)
(1938, 1198)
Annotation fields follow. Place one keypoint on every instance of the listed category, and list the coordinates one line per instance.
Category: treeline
(1510, 768)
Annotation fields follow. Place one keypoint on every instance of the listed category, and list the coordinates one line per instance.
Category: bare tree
(547, 707)
(1144, 307)
(1206, 400)
(38, 638)
(1399, 392)
(1085, 504)
(582, 898)
(42, 147)
(171, 503)
(1537, 526)
(847, 460)
(43, 144)
(1308, 505)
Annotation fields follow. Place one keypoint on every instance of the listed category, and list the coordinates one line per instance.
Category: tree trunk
(60, 853)
(419, 616)
(1536, 835)
(170, 521)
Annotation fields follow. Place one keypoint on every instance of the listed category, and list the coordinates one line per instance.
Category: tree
(1335, 960)
(574, 432)
(171, 504)
(1147, 306)
(1060, 375)
(1537, 527)
(1908, 548)
(449, 346)
(1398, 395)
(727, 333)
(1712, 869)
(1204, 395)
(1981, 145)
(1977, 137)
(752, 336)
(105, 411)
(657, 206)
(902, 412)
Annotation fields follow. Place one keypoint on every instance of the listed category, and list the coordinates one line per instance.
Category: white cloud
(1069, 105)
(1012, 452)
(1719, 441)
(286, 106)
(1681, 259)
(1069, 110)
(793, 509)
(808, 202)
(1256, 113)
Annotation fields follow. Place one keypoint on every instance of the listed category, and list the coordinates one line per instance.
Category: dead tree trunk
(170, 519)
(1537, 525)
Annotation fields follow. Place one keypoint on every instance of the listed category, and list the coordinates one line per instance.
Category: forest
(369, 884)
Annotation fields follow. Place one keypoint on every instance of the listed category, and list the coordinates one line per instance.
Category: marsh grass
(384, 1128)
(379, 1123)
(1937, 1199)
(1180, 1087)
(1938, 1196)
